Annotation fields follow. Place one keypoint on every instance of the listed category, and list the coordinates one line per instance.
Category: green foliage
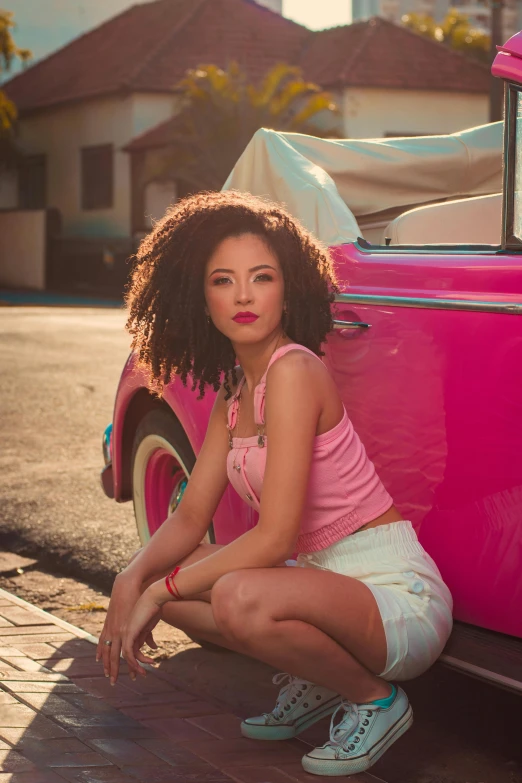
(455, 31)
(221, 111)
(9, 52)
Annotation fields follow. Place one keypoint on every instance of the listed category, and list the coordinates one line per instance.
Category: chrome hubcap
(177, 494)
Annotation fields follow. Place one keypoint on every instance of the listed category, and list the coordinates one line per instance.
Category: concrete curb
(51, 618)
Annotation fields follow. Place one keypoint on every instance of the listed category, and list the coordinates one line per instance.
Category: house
(392, 82)
(89, 108)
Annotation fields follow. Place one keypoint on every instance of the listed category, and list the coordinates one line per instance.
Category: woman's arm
(181, 533)
(292, 409)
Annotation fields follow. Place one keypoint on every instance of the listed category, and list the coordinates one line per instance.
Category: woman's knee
(235, 604)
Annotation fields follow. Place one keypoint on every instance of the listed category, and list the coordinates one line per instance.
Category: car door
(428, 358)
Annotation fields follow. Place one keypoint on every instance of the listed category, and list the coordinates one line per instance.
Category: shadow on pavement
(26, 298)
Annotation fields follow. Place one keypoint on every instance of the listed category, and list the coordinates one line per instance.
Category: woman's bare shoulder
(298, 366)
(300, 377)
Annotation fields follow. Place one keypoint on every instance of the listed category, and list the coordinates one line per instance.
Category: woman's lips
(245, 319)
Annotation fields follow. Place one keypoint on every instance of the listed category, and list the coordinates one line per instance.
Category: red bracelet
(171, 585)
(169, 588)
(173, 590)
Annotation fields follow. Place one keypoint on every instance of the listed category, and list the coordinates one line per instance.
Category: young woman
(227, 276)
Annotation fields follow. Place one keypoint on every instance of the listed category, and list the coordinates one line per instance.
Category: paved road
(58, 373)
(59, 368)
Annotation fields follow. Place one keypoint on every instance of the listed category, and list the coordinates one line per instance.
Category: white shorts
(415, 604)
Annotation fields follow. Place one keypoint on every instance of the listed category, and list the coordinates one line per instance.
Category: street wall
(23, 243)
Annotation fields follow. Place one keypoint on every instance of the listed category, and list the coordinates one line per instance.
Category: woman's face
(244, 289)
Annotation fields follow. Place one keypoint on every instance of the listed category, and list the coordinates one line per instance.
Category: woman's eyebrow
(253, 269)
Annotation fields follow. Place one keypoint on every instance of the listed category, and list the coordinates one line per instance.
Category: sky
(46, 25)
(317, 14)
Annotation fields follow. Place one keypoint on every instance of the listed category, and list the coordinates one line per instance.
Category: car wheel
(162, 460)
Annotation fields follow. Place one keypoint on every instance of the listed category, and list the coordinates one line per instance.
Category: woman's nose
(243, 295)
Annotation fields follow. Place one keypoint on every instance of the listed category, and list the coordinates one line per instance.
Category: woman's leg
(320, 626)
(194, 617)
(287, 617)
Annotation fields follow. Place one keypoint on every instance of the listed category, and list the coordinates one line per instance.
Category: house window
(97, 177)
(32, 182)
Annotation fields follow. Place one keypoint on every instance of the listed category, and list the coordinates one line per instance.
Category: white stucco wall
(22, 249)
(62, 132)
(158, 197)
(373, 113)
(149, 110)
(8, 189)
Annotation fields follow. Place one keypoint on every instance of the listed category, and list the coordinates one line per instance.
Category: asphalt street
(59, 368)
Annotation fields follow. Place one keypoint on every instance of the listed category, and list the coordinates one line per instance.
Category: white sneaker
(363, 735)
(299, 705)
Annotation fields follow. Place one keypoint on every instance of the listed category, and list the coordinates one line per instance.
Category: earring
(284, 318)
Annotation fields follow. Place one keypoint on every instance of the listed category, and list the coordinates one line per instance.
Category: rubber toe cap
(258, 720)
(324, 753)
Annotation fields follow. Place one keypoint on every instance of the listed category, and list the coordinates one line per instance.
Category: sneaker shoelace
(293, 687)
(353, 723)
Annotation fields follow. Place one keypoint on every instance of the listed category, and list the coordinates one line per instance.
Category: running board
(485, 655)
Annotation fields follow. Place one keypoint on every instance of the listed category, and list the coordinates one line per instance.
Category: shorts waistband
(398, 539)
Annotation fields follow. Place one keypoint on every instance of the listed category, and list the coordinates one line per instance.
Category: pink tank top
(344, 491)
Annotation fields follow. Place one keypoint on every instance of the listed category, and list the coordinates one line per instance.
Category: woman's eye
(220, 280)
(264, 276)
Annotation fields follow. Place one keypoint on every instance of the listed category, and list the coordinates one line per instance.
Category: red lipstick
(245, 318)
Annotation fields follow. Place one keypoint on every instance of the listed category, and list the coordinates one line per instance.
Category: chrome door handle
(350, 324)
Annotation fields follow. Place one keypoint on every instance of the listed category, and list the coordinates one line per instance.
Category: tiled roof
(149, 47)
(378, 53)
(158, 136)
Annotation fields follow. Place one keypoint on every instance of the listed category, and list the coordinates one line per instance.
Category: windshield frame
(512, 124)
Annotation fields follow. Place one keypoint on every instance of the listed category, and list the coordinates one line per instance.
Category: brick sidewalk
(60, 720)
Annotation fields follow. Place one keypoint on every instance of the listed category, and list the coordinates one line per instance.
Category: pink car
(427, 354)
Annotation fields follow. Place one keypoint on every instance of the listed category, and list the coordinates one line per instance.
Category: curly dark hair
(165, 293)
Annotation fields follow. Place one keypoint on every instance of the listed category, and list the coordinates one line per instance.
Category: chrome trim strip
(431, 304)
(482, 674)
(350, 324)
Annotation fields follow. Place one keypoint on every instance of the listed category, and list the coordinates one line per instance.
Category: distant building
(478, 11)
(394, 10)
(479, 14)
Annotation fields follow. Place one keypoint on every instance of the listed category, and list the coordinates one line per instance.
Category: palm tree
(455, 31)
(221, 111)
(9, 51)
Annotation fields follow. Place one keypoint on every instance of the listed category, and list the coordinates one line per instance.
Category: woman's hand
(125, 595)
(143, 618)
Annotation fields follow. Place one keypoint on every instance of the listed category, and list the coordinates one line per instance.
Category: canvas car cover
(328, 183)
